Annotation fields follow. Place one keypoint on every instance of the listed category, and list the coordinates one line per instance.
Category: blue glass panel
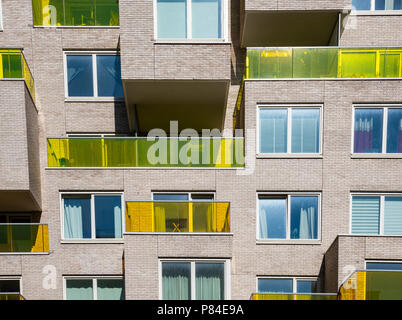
(368, 130)
(384, 266)
(108, 216)
(305, 130)
(207, 19)
(172, 19)
(170, 197)
(273, 130)
(365, 215)
(307, 286)
(361, 4)
(380, 4)
(393, 216)
(109, 76)
(275, 285)
(80, 76)
(397, 4)
(388, 4)
(272, 218)
(394, 131)
(77, 218)
(304, 217)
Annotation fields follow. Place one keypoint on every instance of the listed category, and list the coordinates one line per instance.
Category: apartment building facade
(201, 149)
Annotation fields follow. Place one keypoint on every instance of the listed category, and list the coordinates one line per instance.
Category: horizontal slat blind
(365, 215)
(393, 216)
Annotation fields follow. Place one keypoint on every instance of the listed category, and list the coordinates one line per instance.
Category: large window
(288, 216)
(377, 130)
(92, 216)
(93, 75)
(189, 19)
(193, 280)
(287, 285)
(384, 265)
(376, 214)
(284, 130)
(371, 5)
(102, 288)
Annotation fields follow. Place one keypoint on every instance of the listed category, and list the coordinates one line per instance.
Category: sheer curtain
(160, 218)
(77, 218)
(110, 289)
(176, 281)
(307, 223)
(209, 281)
(273, 130)
(368, 130)
(79, 289)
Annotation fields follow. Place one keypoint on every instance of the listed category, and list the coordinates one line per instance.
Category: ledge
(376, 156)
(190, 42)
(288, 156)
(220, 234)
(93, 241)
(97, 99)
(288, 242)
(377, 13)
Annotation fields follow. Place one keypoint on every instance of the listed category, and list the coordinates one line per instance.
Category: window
(287, 285)
(92, 216)
(376, 214)
(384, 265)
(377, 130)
(103, 288)
(189, 19)
(93, 75)
(1, 16)
(289, 130)
(371, 5)
(193, 280)
(10, 285)
(288, 217)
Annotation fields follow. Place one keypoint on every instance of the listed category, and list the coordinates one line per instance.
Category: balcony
(14, 66)
(145, 153)
(372, 285)
(24, 238)
(10, 296)
(159, 216)
(77, 13)
(323, 63)
(299, 296)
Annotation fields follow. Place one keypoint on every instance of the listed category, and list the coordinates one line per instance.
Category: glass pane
(108, 216)
(270, 63)
(176, 283)
(107, 13)
(393, 216)
(77, 218)
(273, 130)
(110, 289)
(359, 63)
(170, 197)
(315, 63)
(368, 130)
(365, 215)
(394, 131)
(388, 4)
(171, 216)
(12, 66)
(206, 17)
(109, 76)
(383, 266)
(10, 286)
(80, 76)
(307, 286)
(210, 281)
(361, 4)
(172, 19)
(275, 285)
(304, 217)
(79, 12)
(305, 130)
(272, 218)
(79, 289)
(383, 285)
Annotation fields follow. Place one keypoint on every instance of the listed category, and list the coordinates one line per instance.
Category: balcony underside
(288, 28)
(18, 201)
(194, 104)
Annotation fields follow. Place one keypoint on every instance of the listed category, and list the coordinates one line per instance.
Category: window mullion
(382, 204)
(189, 20)
(95, 75)
(95, 289)
(289, 131)
(93, 221)
(372, 5)
(193, 291)
(288, 217)
(384, 130)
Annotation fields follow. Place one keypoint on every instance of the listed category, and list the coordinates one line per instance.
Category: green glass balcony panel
(141, 152)
(167, 216)
(75, 12)
(285, 296)
(322, 63)
(24, 238)
(10, 296)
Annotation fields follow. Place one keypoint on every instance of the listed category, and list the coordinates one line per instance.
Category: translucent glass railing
(11, 296)
(298, 296)
(75, 12)
(372, 285)
(141, 152)
(323, 63)
(160, 216)
(14, 66)
(24, 238)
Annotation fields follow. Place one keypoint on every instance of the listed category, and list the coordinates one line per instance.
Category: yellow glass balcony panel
(24, 238)
(166, 216)
(284, 296)
(10, 296)
(141, 152)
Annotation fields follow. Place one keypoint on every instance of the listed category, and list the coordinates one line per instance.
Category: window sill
(76, 27)
(288, 242)
(190, 41)
(179, 233)
(371, 235)
(377, 13)
(93, 241)
(93, 99)
(288, 156)
(23, 253)
(376, 156)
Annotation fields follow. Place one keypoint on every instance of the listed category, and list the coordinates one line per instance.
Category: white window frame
(372, 9)
(94, 283)
(189, 194)
(382, 261)
(226, 262)
(93, 54)
(382, 203)
(93, 238)
(224, 26)
(14, 278)
(385, 108)
(289, 152)
(1, 16)
(294, 283)
(287, 197)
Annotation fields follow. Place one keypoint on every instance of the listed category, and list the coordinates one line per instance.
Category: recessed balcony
(169, 216)
(24, 238)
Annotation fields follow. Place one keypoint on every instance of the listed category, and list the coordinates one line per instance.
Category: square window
(94, 289)
(368, 130)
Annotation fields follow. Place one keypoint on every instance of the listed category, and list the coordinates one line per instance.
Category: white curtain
(74, 209)
(307, 223)
(263, 224)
